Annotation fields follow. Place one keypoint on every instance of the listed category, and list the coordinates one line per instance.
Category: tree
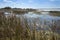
(7, 8)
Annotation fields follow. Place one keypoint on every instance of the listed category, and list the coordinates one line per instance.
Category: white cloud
(7, 0)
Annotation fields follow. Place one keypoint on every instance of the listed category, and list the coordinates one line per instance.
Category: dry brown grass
(13, 28)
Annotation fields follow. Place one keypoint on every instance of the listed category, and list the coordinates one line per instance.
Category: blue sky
(30, 3)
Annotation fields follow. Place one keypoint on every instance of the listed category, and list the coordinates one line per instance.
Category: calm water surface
(42, 21)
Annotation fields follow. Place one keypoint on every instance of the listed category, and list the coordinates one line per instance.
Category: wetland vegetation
(29, 24)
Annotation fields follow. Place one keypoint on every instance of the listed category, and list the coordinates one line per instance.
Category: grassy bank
(13, 28)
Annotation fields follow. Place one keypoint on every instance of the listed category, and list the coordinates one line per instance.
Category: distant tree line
(18, 10)
(54, 11)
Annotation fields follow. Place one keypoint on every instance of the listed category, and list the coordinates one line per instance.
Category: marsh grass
(13, 28)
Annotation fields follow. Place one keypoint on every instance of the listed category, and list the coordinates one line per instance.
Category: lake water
(42, 21)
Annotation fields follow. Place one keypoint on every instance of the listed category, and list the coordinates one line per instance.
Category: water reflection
(42, 21)
(45, 13)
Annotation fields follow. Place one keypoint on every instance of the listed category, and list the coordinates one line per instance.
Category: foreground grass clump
(13, 28)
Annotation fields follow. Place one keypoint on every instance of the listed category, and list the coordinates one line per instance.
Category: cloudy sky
(30, 3)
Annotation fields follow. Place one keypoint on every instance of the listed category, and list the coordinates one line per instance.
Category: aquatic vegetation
(25, 28)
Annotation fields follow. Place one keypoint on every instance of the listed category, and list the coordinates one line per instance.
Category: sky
(30, 3)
